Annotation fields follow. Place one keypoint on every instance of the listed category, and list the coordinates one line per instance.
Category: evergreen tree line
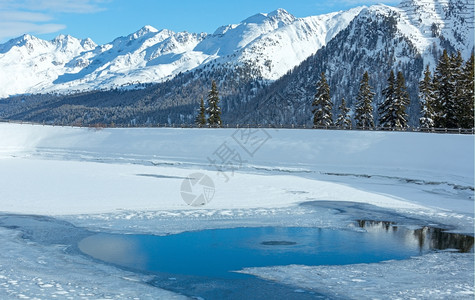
(447, 99)
(392, 110)
(210, 115)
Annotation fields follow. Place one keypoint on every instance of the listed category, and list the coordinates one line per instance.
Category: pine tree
(364, 104)
(443, 81)
(466, 112)
(437, 104)
(386, 110)
(401, 101)
(451, 96)
(344, 119)
(456, 99)
(427, 99)
(213, 110)
(201, 117)
(322, 112)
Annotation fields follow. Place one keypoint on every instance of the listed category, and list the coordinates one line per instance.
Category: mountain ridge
(150, 55)
(380, 39)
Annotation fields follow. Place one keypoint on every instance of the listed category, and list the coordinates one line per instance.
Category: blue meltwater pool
(218, 252)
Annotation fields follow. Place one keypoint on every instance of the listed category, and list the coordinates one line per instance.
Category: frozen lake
(60, 186)
(200, 263)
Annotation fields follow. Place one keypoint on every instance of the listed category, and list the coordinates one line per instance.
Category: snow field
(130, 180)
(78, 170)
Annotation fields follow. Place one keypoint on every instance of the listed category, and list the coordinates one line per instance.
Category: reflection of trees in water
(444, 240)
(421, 235)
(439, 239)
(386, 225)
(430, 237)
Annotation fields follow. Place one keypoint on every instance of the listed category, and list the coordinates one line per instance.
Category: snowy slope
(272, 43)
(108, 164)
(280, 50)
(430, 23)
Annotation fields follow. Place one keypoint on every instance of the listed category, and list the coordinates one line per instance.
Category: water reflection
(426, 238)
(441, 240)
(114, 248)
(216, 252)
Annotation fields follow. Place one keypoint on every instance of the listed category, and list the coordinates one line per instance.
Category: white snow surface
(129, 180)
(432, 276)
(65, 170)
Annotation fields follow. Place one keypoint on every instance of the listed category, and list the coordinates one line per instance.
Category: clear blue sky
(104, 20)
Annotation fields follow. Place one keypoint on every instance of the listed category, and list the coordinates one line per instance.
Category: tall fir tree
(322, 112)
(201, 117)
(451, 92)
(444, 83)
(456, 78)
(364, 104)
(465, 111)
(344, 119)
(386, 110)
(437, 104)
(401, 102)
(427, 99)
(213, 109)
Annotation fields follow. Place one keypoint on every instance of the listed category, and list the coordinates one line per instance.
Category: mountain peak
(63, 37)
(405, 3)
(282, 15)
(147, 29)
(69, 41)
(20, 41)
(279, 15)
(24, 39)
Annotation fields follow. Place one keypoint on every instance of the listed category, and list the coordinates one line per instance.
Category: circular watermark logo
(197, 189)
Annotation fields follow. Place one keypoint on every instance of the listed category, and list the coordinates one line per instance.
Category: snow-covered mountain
(272, 43)
(30, 64)
(276, 42)
(379, 39)
(67, 64)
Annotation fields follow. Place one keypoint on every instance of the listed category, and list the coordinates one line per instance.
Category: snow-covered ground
(432, 276)
(132, 180)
